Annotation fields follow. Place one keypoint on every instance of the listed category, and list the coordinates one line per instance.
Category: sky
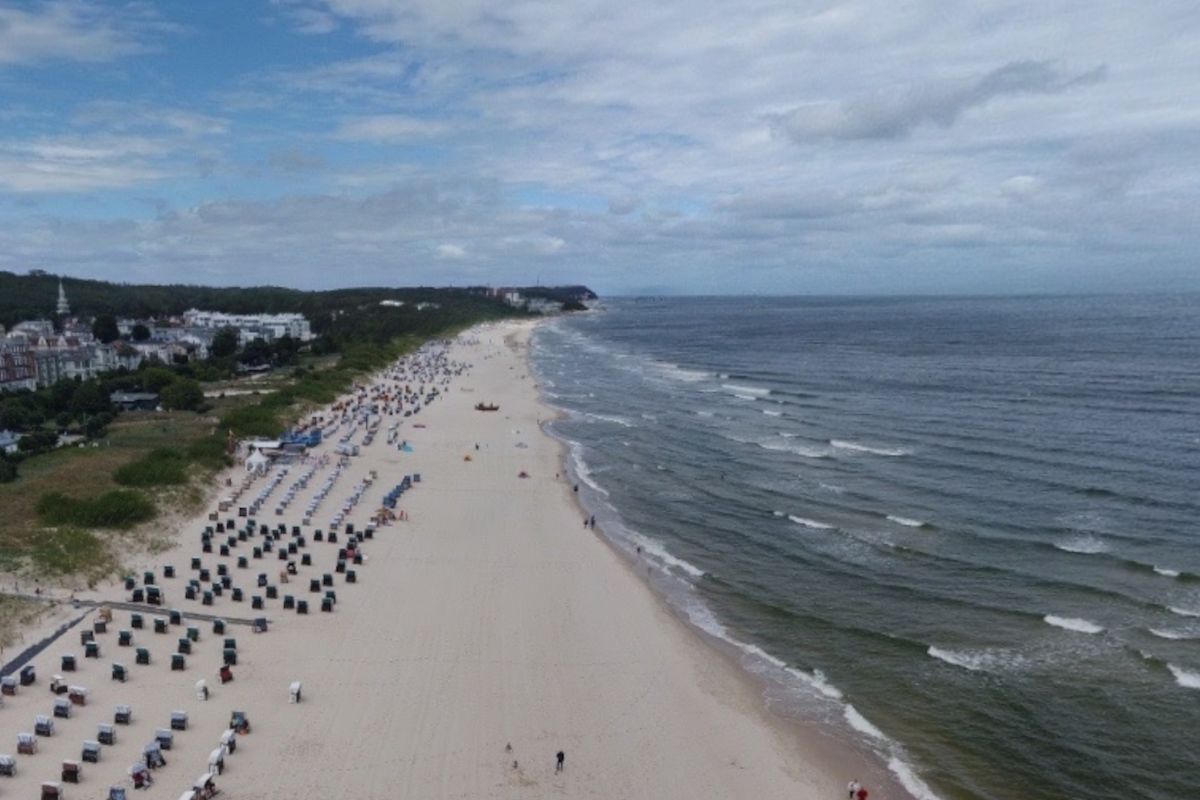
(670, 147)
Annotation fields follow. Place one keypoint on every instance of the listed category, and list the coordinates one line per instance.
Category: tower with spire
(63, 309)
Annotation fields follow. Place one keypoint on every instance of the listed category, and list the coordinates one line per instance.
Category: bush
(209, 452)
(68, 550)
(183, 395)
(163, 467)
(116, 509)
(256, 420)
(8, 471)
(36, 441)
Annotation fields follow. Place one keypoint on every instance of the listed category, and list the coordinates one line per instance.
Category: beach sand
(491, 618)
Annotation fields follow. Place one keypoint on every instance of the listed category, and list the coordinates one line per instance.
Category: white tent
(257, 462)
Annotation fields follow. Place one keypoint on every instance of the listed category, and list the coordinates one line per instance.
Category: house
(18, 369)
(8, 442)
(135, 401)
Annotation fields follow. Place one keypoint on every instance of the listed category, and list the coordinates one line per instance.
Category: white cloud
(451, 251)
(73, 30)
(388, 128)
(896, 113)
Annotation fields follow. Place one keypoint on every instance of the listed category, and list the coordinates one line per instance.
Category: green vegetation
(162, 467)
(65, 511)
(68, 550)
(183, 394)
(115, 509)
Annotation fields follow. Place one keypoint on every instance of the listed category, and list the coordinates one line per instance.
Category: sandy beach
(485, 633)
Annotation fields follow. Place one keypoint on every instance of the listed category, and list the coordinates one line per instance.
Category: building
(135, 401)
(9, 442)
(252, 326)
(62, 309)
(34, 328)
(18, 369)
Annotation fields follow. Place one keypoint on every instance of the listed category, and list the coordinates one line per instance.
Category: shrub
(256, 420)
(209, 452)
(68, 550)
(8, 471)
(184, 395)
(163, 467)
(115, 509)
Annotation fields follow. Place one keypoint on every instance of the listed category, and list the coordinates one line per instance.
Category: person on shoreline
(852, 788)
(558, 767)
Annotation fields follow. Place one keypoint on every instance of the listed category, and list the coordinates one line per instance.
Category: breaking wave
(1185, 678)
(810, 523)
(855, 447)
(1073, 624)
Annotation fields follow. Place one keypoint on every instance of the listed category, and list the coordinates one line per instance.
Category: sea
(962, 533)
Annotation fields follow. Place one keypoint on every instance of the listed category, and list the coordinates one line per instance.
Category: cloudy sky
(688, 146)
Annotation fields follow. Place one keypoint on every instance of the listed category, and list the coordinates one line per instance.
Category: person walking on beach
(561, 758)
(852, 789)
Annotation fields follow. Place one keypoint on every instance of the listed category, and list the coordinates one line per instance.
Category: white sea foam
(655, 548)
(1185, 678)
(1163, 634)
(1072, 624)
(906, 521)
(909, 780)
(581, 469)
(1167, 573)
(829, 487)
(796, 449)
(738, 389)
(862, 448)
(771, 413)
(1183, 612)
(1087, 545)
(610, 418)
(861, 723)
(818, 681)
(779, 513)
(704, 413)
(758, 652)
(744, 396)
(810, 523)
(684, 375)
(971, 661)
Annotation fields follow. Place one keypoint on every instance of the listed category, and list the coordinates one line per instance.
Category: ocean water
(963, 533)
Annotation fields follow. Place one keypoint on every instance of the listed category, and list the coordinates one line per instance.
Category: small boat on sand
(486, 407)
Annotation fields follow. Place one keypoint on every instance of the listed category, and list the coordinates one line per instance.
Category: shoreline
(483, 635)
(841, 756)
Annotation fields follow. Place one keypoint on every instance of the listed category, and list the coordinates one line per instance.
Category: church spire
(63, 309)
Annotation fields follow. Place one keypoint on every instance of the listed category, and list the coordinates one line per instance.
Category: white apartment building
(252, 326)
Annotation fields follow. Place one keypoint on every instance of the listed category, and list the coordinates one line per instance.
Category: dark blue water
(964, 531)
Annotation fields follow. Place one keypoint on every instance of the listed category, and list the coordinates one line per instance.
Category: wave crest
(855, 447)
(1073, 624)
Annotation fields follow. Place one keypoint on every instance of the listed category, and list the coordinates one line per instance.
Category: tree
(183, 395)
(8, 470)
(224, 343)
(155, 379)
(140, 332)
(90, 398)
(256, 351)
(284, 349)
(104, 328)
